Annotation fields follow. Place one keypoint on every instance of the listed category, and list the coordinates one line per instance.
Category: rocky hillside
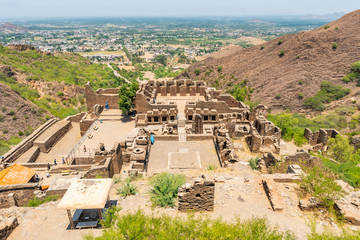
(281, 69)
(35, 86)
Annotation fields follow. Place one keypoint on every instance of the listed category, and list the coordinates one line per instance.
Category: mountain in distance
(11, 27)
(273, 70)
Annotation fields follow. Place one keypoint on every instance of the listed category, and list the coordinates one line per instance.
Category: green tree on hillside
(127, 95)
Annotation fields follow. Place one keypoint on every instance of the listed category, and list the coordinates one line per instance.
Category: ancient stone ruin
(197, 195)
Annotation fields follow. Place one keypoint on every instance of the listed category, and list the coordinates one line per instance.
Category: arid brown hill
(308, 56)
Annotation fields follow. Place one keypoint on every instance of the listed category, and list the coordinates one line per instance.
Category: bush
(60, 94)
(220, 68)
(5, 131)
(14, 117)
(140, 226)
(21, 133)
(240, 91)
(334, 46)
(326, 26)
(321, 186)
(165, 188)
(110, 216)
(278, 96)
(254, 163)
(3, 109)
(328, 93)
(1, 117)
(282, 53)
(197, 72)
(262, 47)
(301, 82)
(35, 202)
(11, 112)
(340, 149)
(300, 95)
(212, 167)
(280, 42)
(127, 188)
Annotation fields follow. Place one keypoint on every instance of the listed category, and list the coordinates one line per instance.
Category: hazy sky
(111, 8)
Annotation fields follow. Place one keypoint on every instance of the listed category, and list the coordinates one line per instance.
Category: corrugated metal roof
(16, 174)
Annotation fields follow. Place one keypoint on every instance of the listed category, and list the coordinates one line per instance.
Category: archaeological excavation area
(180, 126)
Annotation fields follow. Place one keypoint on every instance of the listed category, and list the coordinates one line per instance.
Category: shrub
(165, 188)
(220, 68)
(21, 133)
(253, 163)
(197, 72)
(212, 167)
(14, 117)
(326, 26)
(336, 28)
(300, 95)
(280, 42)
(138, 225)
(3, 109)
(298, 57)
(282, 53)
(1, 117)
(301, 82)
(321, 186)
(11, 112)
(262, 47)
(110, 216)
(5, 131)
(328, 93)
(35, 202)
(127, 188)
(340, 149)
(334, 46)
(278, 96)
(240, 91)
(60, 94)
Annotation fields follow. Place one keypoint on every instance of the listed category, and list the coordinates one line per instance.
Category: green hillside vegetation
(69, 68)
(293, 125)
(328, 93)
(46, 103)
(354, 74)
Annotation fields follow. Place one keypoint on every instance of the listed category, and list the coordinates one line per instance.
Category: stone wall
(105, 171)
(52, 135)
(7, 225)
(101, 96)
(319, 139)
(27, 143)
(197, 195)
(16, 195)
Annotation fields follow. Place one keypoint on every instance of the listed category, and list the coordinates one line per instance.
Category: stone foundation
(198, 195)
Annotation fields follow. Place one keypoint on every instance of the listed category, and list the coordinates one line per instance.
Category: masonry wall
(52, 135)
(198, 195)
(101, 96)
(28, 142)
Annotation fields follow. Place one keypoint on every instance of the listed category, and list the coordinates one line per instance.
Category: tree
(162, 59)
(127, 95)
(340, 149)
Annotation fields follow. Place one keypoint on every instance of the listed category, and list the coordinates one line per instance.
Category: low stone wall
(166, 137)
(199, 137)
(198, 195)
(75, 118)
(35, 151)
(7, 226)
(28, 142)
(52, 135)
(272, 194)
(16, 195)
(105, 171)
